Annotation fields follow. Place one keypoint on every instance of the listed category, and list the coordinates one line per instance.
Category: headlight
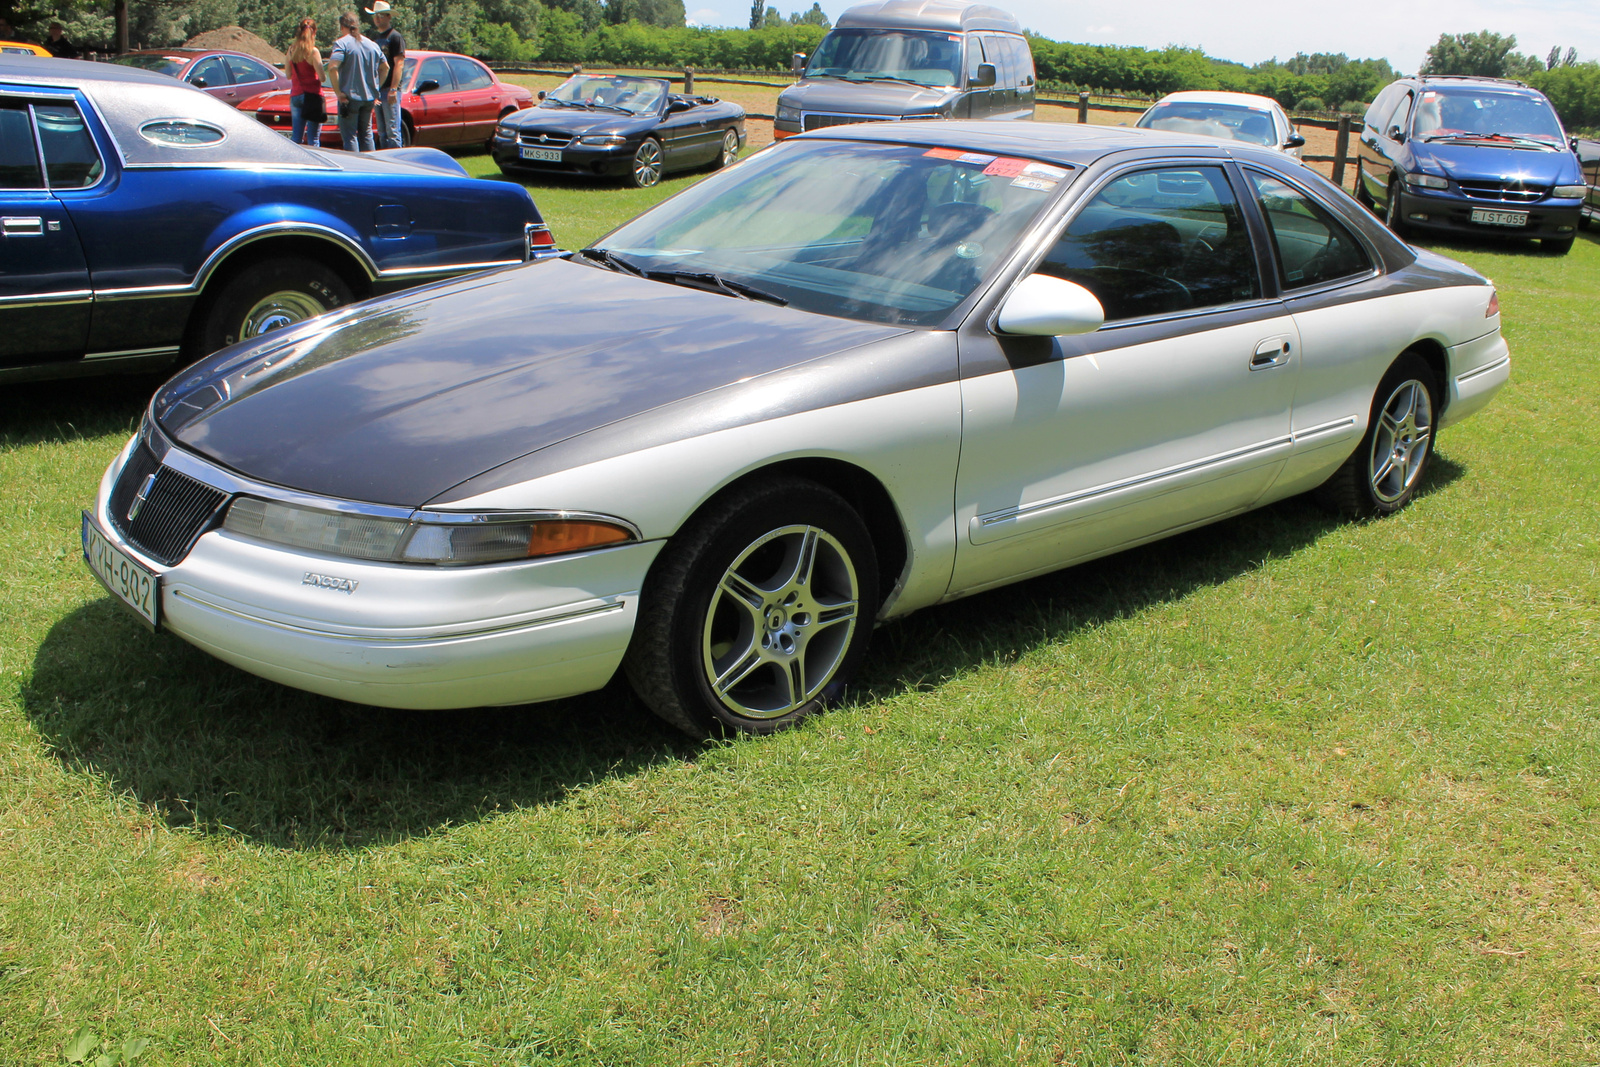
(1427, 181)
(1569, 192)
(437, 539)
(506, 132)
(788, 114)
(603, 139)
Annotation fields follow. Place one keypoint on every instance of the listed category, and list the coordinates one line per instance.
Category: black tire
(406, 132)
(1393, 216)
(1386, 469)
(1556, 246)
(264, 297)
(754, 592)
(1584, 222)
(648, 164)
(728, 153)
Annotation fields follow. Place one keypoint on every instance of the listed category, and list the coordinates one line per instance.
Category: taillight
(540, 239)
(1494, 305)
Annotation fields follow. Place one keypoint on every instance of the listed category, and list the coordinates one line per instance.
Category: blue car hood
(397, 400)
(1480, 161)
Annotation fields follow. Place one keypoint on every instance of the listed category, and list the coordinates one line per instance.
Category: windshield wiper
(611, 107)
(1513, 138)
(700, 279)
(607, 258)
(886, 78)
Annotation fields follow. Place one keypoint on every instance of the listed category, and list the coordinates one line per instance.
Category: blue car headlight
(504, 132)
(1569, 192)
(1427, 181)
(607, 139)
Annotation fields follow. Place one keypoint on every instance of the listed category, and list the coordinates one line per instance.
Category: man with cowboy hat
(386, 37)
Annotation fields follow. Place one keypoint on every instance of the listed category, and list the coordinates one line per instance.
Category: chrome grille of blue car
(543, 140)
(172, 508)
(1503, 192)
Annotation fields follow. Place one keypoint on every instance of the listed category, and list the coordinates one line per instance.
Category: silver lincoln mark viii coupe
(868, 370)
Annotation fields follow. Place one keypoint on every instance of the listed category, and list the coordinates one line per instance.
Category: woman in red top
(305, 86)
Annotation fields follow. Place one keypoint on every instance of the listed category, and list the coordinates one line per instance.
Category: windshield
(879, 232)
(1231, 122)
(1476, 113)
(635, 96)
(888, 55)
(159, 64)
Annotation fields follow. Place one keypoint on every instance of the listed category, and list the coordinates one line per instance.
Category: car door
(1388, 146)
(1174, 413)
(435, 105)
(45, 298)
(1372, 169)
(479, 106)
(680, 132)
(1003, 97)
(975, 100)
(1022, 61)
(211, 74)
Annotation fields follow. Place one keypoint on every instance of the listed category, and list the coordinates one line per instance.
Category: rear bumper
(1478, 370)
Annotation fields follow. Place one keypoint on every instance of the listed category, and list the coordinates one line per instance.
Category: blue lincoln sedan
(142, 222)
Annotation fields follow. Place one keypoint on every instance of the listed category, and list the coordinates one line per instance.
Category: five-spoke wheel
(1384, 472)
(757, 612)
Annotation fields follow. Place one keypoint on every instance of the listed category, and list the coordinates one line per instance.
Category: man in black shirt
(387, 38)
(58, 45)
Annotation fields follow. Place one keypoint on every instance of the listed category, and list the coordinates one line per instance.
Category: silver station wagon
(869, 370)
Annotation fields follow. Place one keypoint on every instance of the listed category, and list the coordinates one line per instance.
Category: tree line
(653, 33)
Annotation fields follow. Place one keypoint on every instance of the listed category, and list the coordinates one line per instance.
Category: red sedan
(445, 99)
(231, 77)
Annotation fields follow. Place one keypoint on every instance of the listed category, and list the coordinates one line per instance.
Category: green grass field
(1285, 790)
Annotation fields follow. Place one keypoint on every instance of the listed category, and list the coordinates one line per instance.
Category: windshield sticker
(1044, 170)
(977, 159)
(1043, 185)
(1006, 167)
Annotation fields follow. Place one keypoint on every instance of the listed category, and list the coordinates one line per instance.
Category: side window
(469, 75)
(246, 71)
(1312, 246)
(1159, 241)
(436, 70)
(1004, 76)
(1398, 116)
(1021, 61)
(70, 158)
(19, 164)
(1380, 106)
(975, 56)
(209, 73)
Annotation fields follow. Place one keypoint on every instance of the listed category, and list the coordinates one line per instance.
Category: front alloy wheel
(730, 149)
(647, 164)
(757, 612)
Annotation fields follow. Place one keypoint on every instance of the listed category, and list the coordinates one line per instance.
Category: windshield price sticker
(1043, 185)
(977, 159)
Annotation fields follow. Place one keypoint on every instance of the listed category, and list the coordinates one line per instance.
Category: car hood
(862, 98)
(577, 122)
(1489, 162)
(397, 400)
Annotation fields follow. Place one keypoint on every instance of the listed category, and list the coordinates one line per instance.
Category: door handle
(1273, 353)
(17, 226)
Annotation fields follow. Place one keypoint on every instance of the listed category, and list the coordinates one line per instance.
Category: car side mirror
(797, 64)
(428, 85)
(1296, 139)
(1396, 134)
(1043, 306)
(1572, 143)
(198, 82)
(983, 78)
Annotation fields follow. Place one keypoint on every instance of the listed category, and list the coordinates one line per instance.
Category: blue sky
(1252, 30)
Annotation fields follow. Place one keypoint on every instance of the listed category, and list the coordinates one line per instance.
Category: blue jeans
(308, 132)
(355, 125)
(388, 120)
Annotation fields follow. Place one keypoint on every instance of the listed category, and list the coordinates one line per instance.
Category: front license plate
(543, 155)
(129, 581)
(1500, 218)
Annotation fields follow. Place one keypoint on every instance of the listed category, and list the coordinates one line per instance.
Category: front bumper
(402, 636)
(1448, 212)
(602, 160)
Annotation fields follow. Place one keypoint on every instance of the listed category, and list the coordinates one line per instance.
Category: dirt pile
(237, 39)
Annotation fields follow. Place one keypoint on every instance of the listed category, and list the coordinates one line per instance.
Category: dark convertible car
(141, 220)
(605, 125)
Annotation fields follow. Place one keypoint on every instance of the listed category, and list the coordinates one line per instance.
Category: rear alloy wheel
(730, 149)
(647, 164)
(1384, 472)
(1393, 213)
(758, 611)
(269, 296)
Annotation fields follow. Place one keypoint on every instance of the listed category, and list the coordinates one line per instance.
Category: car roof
(927, 15)
(32, 49)
(1439, 81)
(1057, 142)
(1201, 96)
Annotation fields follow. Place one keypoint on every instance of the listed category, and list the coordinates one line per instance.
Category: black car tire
(407, 134)
(266, 296)
(1394, 211)
(728, 154)
(1399, 441)
(767, 583)
(647, 165)
(1556, 246)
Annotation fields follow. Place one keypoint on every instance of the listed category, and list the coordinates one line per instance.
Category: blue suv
(1470, 155)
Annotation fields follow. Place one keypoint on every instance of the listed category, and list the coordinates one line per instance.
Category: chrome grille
(175, 510)
(1503, 192)
(543, 140)
(818, 121)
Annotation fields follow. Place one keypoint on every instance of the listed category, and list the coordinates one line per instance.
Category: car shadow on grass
(69, 409)
(204, 745)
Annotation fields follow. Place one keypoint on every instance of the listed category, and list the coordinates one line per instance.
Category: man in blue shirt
(388, 39)
(356, 69)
